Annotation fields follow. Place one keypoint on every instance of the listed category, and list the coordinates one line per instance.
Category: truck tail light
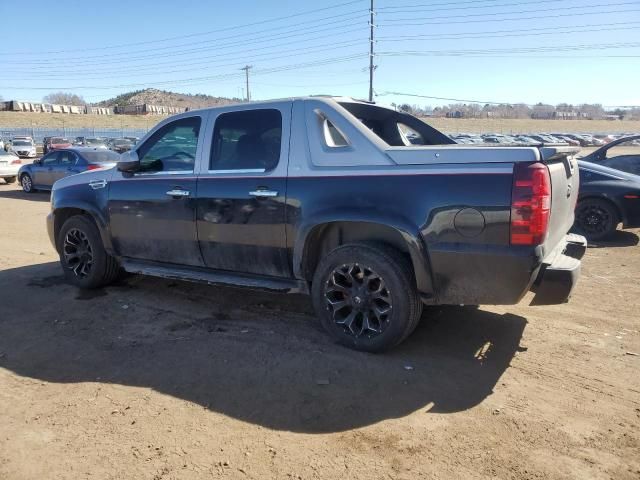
(530, 204)
(92, 166)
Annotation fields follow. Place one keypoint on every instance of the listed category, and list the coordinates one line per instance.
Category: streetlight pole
(246, 69)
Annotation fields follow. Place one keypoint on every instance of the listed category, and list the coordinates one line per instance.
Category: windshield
(94, 141)
(101, 156)
(59, 140)
(22, 143)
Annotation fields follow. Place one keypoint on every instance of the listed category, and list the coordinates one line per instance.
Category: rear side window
(333, 137)
(67, 158)
(247, 140)
(172, 148)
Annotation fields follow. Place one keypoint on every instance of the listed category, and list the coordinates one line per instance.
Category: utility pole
(246, 69)
(371, 66)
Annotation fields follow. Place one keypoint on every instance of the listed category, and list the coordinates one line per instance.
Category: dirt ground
(155, 379)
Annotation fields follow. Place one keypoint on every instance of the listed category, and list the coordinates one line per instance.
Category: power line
(491, 14)
(189, 81)
(191, 35)
(402, 94)
(245, 40)
(428, 8)
(512, 32)
(443, 3)
(201, 61)
(555, 15)
(551, 48)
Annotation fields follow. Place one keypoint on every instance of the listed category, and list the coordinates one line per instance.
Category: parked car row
(119, 145)
(575, 139)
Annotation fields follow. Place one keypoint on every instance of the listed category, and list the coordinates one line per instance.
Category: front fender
(81, 198)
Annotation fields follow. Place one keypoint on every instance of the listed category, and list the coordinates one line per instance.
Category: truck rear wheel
(85, 262)
(365, 296)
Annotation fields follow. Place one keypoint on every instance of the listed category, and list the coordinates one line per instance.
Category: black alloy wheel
(358, 300)
(596, 219)
(365, 296)
(78, 254)
(84, 260)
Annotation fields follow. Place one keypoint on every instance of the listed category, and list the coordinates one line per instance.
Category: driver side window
(172, 148)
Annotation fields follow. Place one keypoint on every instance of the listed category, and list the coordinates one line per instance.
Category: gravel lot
(157, 379)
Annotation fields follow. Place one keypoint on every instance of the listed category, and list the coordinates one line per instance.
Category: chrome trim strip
(240, 170)
(170, 172)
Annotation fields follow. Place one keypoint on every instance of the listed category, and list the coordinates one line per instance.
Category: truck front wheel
(84, 260)
(365, 296)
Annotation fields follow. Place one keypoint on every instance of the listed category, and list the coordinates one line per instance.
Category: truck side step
(214, 277)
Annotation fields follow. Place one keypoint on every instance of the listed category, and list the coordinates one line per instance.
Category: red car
(56, 143)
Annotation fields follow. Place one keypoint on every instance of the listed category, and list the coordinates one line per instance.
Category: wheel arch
(318, 239)
(63, 213)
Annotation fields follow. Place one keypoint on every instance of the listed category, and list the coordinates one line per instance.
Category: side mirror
(129, 162)
(37, 161)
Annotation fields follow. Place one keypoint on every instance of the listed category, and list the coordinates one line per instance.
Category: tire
(388, 298)
(85, 262)
(8, 180)
(596, 219)
(27, 183)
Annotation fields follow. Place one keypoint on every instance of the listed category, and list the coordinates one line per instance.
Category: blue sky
(490, 50)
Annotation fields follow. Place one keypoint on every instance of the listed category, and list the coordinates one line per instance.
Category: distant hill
(154, 96)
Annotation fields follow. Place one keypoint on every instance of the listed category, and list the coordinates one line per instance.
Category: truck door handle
(264, 193)
(177, 193)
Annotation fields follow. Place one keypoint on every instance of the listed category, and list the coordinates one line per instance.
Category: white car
(10, 163)
(24, 148)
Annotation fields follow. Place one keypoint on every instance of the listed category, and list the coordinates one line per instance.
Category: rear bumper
(502, 275)
(556, 279)
(9, 171)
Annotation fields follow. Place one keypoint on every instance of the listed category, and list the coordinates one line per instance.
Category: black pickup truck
(371, 211)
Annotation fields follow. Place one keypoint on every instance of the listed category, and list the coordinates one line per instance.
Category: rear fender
(409, 233)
